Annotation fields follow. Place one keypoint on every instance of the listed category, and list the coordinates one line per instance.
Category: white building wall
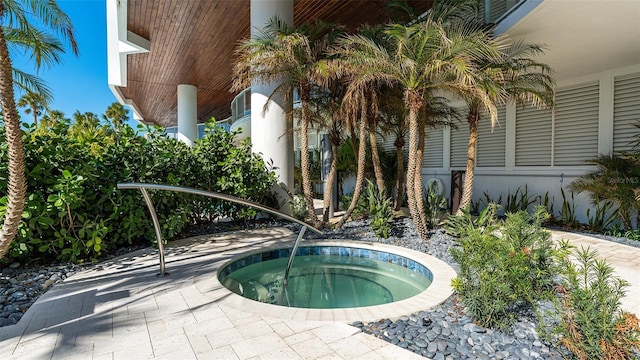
(551, 178)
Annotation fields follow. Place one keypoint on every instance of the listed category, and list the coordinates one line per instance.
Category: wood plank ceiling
(193, 42)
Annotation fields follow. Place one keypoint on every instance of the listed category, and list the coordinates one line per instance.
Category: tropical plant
(513, 76)
(419, 58)
(20, 21)
(616, 179)
(519, 201)
(394, 113)
(117, 115)
(435, 205)
(35, 104)
(290, 56)
(568, 210)
(380, 211)
(603, 216)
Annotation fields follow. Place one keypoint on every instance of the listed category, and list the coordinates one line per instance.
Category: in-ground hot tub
(327, 276)
(421, 265)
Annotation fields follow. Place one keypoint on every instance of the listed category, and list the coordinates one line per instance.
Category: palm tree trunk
(35, 116)
(467, 188)
(399, 200)
(375, 158)
(304, 163)
(362, 158)
(418, 182)
(328, 191)
(411, 170)
(16, 177)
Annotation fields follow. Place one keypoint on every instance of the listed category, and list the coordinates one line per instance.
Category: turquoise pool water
(326, 277)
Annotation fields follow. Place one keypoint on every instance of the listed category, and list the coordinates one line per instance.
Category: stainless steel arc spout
(143, 187)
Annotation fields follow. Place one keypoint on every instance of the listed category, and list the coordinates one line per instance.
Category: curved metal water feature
(156, 225)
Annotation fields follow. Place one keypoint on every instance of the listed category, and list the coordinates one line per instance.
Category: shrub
(616, 179)
(74, 212)
(591, 324)
(380, 211)
(362, 207)
(298, 207)
(504, 266)
(435, 205)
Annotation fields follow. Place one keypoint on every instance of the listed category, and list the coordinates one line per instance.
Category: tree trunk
(35, 116)
(418, 181)
(328, 191)
(411, 168)
(467, 188)
(399, 200)
(362, 158)
(16, 177)
(304, 162)
(377, 168)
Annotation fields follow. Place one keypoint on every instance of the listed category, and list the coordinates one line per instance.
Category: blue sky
(78, 83)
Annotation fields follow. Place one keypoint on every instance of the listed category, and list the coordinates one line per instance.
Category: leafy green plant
(519, 201)
(74, 212)
(362, 207)
(490, 200)
(591, 324)
(616, 179)
(380, 211)
(474, 207)
(603, 216)
(547, 203)
(568, 211)
(435, 205)
(504, 265)
(298, 207)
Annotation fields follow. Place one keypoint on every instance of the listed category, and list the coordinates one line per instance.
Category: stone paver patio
(122, 310)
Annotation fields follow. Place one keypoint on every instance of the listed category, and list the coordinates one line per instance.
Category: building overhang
(581, 37)
(153, 46)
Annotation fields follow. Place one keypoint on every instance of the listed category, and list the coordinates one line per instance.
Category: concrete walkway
(122, 310)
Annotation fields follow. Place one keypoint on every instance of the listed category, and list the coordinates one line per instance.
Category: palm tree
(514, 76)
(16, 17)
(116, 114)
(422, 58)
(353, 99)
(615, 180)
(35, 103)
(393, 112)
(52, 118)
(289, 56)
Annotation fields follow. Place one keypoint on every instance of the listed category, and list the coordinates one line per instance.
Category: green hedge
(74, 211)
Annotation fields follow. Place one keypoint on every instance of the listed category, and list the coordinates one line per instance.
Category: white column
(270, 133)
(187, 113)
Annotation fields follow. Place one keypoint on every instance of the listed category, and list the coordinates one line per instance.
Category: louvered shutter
(626, 111)
(491, 144)
(459, 143)
(433, 152)
(576, 124)
(533, 137)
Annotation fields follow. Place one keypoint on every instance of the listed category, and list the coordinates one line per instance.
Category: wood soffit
(193, 42)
